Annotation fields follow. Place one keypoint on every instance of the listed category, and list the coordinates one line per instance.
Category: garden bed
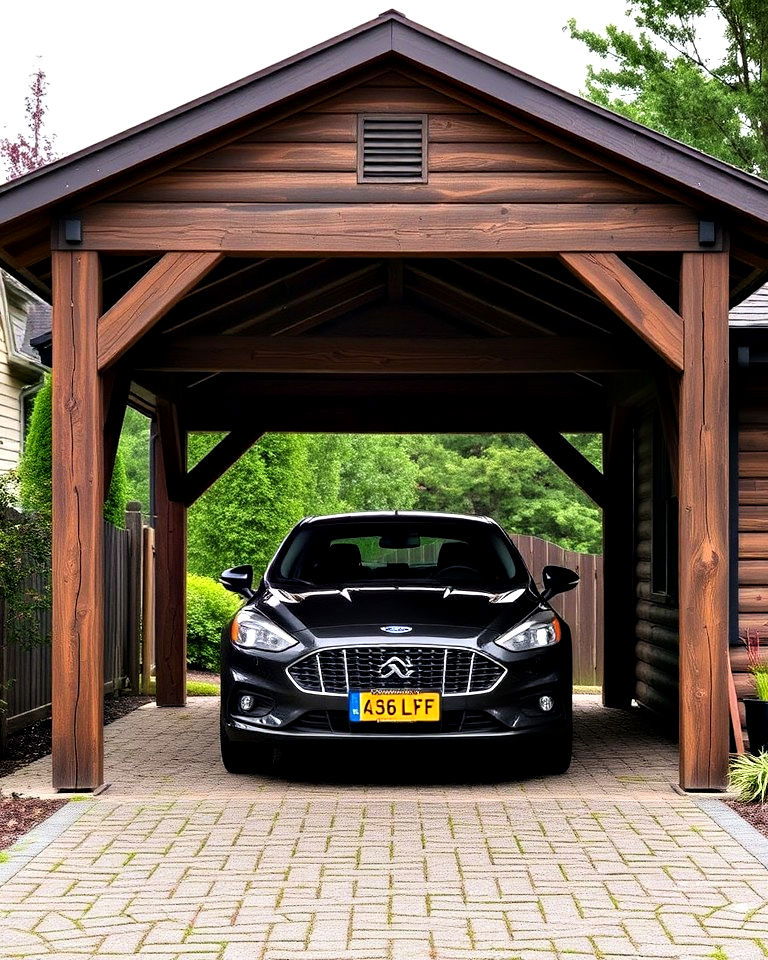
(756, 814)
(18, 815)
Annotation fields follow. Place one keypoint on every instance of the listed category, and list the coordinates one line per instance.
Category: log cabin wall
(752, 425)
(656, 630)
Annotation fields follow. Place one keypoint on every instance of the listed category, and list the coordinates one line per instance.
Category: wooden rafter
(572, 462)
(148, 300)
(218, 460)
(633, 300)
(387, 355)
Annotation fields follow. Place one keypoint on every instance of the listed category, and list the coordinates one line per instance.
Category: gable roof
(752, 312)
(709, 181)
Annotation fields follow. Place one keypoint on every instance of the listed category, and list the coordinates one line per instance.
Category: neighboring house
(23, 316)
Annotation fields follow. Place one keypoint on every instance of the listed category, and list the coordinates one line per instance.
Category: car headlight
(256, 633)
(531, 635)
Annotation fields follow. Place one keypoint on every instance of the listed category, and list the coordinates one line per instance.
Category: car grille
(452, 721)
(452, 672)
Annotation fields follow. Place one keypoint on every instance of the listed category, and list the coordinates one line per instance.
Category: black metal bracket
(707, 233)
(72, 230)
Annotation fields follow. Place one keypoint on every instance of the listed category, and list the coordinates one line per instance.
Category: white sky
(111, 65)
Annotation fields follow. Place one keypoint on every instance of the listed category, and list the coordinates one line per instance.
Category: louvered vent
(392, 149)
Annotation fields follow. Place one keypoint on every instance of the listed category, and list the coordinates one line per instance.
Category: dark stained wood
(78, 535)
(572, 462)
(279, 156)
(500, 157)
(386, 229)
(173, 444)
(385, 355)
(218, 460)
(115, 387)
(704, 534)
(633, 300)
(170, 575)
(753, 491)
(370, 99)
(618, 561)
(270, 186)
(158, 291)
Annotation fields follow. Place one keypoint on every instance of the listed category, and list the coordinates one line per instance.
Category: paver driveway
(178, 859)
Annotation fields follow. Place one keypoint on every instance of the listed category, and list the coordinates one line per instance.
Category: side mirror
(557, 580)
(239, 580)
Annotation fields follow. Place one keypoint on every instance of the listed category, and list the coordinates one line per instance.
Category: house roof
(752, 312)
(391, 35)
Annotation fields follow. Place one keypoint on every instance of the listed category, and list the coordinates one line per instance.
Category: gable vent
(392, 149)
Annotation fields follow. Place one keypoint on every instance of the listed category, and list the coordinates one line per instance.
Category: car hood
(361, 612)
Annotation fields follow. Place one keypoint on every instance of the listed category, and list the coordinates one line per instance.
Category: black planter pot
(757, 724)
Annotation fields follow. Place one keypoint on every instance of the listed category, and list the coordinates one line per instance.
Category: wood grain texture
(148, 300)
(78, 536)
(620, 288)
(703, 524)
(306, 354)
(389, 229)
(170, 579)
(248, 186)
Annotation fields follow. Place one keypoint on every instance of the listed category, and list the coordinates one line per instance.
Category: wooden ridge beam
(148, 300)
(388, 355)
(218, 460)
(633, 300)
(572, 462)
(268, 229)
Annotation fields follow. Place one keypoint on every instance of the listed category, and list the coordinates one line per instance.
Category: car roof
(402, 515)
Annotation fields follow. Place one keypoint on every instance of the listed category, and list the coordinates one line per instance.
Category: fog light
(546, 703)
(246, 704)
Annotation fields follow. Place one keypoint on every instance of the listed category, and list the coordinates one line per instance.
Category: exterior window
(392, 149)
(664, 520)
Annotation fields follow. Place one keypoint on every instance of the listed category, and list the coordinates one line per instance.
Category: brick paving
(402, 856)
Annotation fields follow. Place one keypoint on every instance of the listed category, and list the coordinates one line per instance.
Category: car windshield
(442, 552)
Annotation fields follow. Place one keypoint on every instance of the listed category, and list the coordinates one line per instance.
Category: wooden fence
(25, 671)
(582, 608)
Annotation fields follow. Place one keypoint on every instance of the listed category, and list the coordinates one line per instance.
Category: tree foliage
(660, 72)
(31, 148)
(134, 453)
(35, 489)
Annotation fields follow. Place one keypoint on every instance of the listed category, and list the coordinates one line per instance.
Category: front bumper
(283, 712)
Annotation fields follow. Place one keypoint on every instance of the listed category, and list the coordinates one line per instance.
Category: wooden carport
(528, 262)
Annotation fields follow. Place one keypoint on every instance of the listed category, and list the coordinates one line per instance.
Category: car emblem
(396, 667)
(395, 629)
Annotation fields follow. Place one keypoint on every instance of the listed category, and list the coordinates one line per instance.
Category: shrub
(209, 607)
(36, 463)
(748, 776)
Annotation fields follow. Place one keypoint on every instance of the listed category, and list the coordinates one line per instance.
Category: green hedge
(36, 464)
(209, 608)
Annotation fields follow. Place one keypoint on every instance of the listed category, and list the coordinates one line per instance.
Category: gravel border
(31, 844)
(735, 826)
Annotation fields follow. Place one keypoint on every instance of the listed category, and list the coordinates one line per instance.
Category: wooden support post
(134, 525)
(170, 570)
(619, 562)
(78, 545)
(704, 541)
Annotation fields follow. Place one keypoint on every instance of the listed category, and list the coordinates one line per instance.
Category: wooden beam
(170, 578)
(619, 598)
(148, 300)
(266, 229)
(572, 462)
(388, 355)
(173, 445)
(633, 300)
(116, 385)
(218, 460)
(704, 540)
(78, 536)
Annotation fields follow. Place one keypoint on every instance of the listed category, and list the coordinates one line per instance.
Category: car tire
(244, 757)
(555, 751)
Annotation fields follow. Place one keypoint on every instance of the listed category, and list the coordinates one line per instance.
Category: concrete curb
(31, 844)
(735, 826)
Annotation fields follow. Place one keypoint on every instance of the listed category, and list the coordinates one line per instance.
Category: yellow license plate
(394, 707)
